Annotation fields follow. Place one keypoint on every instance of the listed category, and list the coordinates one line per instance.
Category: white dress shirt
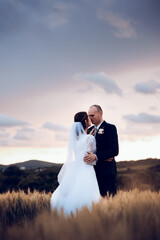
(97, 128)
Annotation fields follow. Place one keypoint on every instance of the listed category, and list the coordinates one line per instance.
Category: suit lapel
(101, 127)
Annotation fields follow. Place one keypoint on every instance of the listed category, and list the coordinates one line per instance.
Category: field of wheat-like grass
(130, 215)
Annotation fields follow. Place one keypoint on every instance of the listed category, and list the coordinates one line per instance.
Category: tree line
(45, 179)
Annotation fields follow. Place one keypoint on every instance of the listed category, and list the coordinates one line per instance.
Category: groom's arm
(112, 148)
(109, 153)
(92, 158)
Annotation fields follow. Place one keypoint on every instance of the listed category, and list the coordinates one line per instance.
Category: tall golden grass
(133, 215)
(17, 207)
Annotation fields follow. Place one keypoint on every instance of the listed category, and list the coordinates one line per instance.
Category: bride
(78, 185)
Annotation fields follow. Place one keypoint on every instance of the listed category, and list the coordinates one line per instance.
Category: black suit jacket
(107, 147)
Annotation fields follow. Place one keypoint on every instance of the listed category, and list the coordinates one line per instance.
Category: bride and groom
(90, 169)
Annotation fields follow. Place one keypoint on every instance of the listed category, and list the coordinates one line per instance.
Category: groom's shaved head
(95, 114)
(99, 109)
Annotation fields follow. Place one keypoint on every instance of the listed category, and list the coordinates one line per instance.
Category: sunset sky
(60, 57)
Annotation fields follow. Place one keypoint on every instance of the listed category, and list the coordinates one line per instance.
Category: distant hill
(121, 165)
(137, 163)
(32, 164)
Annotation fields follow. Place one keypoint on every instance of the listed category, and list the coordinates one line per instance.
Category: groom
(107, 148)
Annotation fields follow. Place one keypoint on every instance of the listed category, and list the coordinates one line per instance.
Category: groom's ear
(101, 113)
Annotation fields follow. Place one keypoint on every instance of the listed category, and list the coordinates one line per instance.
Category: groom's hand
(90, 157)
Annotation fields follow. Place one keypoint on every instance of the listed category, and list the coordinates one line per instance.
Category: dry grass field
(131, 215)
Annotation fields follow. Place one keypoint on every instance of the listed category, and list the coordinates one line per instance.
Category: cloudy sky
(60, 57)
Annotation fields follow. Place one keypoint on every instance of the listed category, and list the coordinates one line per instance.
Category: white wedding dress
(78, 184)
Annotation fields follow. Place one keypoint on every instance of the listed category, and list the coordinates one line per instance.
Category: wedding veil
(76, 132)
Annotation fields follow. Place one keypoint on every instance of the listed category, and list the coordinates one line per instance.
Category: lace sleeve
(91, 144)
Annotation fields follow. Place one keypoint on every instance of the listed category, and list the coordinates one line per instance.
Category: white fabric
(78, 184)
(77, 131)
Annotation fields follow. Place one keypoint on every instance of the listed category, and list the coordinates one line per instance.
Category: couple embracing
(90, 169)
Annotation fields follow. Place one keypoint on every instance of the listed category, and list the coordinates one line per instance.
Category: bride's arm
(91, 149)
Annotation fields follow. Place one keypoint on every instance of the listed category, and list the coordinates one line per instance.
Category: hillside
(141, 174)
(31, 164)
(122, 165)
(42, 176)
(137, 163)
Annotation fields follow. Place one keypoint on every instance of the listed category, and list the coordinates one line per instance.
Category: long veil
(76, 132)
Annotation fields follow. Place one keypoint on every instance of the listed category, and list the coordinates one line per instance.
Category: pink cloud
(123, 28)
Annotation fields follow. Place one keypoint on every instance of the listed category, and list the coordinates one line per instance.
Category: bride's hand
(92, 132)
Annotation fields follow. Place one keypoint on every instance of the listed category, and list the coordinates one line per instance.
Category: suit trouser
(107, 184)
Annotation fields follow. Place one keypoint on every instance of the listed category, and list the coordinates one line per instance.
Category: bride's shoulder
(90, 137)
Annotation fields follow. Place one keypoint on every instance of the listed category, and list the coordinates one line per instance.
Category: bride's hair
(81, 117)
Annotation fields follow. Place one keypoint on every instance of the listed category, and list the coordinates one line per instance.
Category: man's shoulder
(108, 125)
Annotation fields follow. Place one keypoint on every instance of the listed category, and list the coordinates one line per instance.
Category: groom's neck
(98, 123)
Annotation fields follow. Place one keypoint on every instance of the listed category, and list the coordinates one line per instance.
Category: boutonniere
(101, 131)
